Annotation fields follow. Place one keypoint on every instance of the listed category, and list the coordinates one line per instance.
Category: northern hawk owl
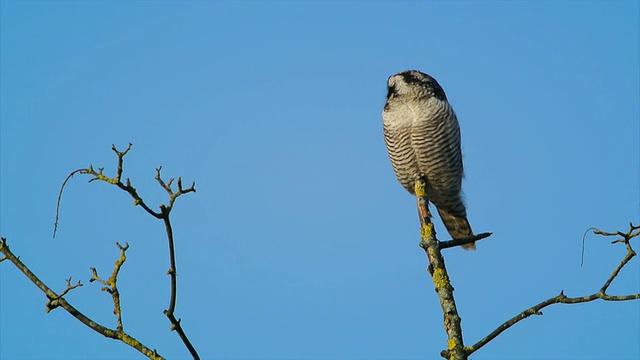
(423, 140)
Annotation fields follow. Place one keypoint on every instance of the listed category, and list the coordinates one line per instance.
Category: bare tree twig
(164, 213)
(64, 183)
(50, 303)
(584, 236)
(110, 285)
(563, 299)
(55, 300)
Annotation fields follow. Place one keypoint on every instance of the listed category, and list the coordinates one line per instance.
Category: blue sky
(299, 243)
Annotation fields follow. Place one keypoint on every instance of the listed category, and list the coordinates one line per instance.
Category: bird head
(414, 83)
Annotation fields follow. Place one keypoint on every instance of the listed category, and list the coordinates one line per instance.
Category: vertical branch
(172, 272)
(111, 284)
(437, 270)
(175, 323)
(165, 211)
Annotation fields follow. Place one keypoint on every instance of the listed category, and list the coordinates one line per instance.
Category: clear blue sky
(299, 243)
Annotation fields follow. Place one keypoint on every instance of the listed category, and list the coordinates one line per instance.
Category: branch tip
(121, 153)
(64, 183)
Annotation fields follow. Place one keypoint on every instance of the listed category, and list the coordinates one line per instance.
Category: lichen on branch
(439, 276)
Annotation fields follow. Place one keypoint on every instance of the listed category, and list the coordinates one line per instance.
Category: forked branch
(563, 299)
(163, 215)
(110, 285)
(57, 300)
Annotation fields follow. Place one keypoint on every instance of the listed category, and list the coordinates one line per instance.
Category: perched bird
(422, 135)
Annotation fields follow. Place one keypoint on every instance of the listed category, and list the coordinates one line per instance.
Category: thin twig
(52, 302)
(584, 236)
(64, 183)
(55, 300)
(562, 299)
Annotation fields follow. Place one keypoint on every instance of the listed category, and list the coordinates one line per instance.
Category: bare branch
(64, 183)
(52, 303)
(121, 155)
(562, 299)
(56, 300)
(164, 213)
(630, 234)
(117, 180)
(111, 283)
(167, 187)
(438, 271)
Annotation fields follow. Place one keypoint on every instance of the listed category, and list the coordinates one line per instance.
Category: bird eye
(391, 89)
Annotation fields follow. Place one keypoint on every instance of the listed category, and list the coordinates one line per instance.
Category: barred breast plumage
(422, 135)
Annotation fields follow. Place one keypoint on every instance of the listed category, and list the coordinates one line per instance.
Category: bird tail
(458, 227)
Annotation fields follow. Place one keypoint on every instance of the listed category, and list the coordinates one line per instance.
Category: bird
(422, 136)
